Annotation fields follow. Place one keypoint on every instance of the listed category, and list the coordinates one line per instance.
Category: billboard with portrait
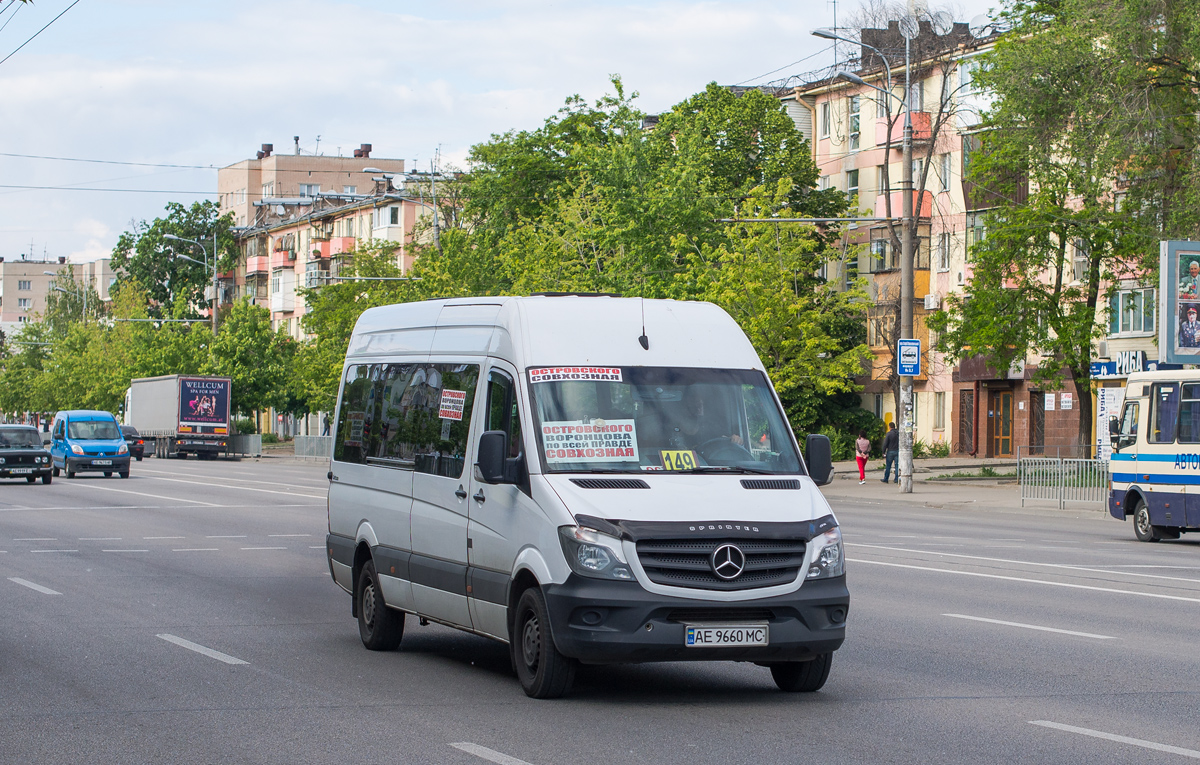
(1179, 286)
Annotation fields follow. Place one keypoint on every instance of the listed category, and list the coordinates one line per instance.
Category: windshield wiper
(725, 469)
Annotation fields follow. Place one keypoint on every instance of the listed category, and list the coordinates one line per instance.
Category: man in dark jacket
(891, 452)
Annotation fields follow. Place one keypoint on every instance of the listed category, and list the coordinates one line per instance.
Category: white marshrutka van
(587, 479)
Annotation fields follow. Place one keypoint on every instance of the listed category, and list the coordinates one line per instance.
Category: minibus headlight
(828, 560)
(592, 554)
(76, 448)
(123, 449)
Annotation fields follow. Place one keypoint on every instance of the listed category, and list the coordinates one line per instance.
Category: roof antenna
(645, 341)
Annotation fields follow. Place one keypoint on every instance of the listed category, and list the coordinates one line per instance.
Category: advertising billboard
(203, 401)
(1179, 288)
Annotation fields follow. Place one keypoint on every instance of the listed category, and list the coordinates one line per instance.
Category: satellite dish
(909, 27)
(943, 23)
(980, 25)
(280, 209)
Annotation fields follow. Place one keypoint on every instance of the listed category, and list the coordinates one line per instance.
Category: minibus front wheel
(543, 671)
(1142, 528)
(802, 676)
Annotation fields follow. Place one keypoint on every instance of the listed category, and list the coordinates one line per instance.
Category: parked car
(22, 454)
(136, 444)
(88, 440)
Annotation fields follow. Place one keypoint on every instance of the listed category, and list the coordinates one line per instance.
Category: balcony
(922, 130)
(922, 204)
(313, 279)
(257, 265)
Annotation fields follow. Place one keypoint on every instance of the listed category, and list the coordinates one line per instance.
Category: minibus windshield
(93, 430)
(640, 419)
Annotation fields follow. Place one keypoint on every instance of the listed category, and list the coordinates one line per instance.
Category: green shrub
(920, 449)
(939, 449)
(246, 426)
(270, 438)
(841, 444)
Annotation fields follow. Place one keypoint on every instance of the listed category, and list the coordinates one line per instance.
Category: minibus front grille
(610, 483)
(688, 562)
(771, 483)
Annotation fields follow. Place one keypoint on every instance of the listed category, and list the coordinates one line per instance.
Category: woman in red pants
(862, 450)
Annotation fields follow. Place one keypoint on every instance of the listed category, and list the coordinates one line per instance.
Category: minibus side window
(394, 401)
(1164, 411)
(1189, 414)
(502, 410)
(437, 420)
(351, 443)
(1129, 425)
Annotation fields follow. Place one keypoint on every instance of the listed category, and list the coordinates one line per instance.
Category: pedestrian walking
(891, 452)
(862, 448)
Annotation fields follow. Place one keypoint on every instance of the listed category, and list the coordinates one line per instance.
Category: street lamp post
(906, 248)
(205, 264)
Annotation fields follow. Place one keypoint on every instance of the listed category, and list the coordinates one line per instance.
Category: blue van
(85, 439)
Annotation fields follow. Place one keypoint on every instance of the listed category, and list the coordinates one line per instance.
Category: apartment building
(856, 136)
(252, 187)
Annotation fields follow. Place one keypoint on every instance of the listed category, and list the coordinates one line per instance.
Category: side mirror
(1114, 430)
(818, 454)
(492, 446)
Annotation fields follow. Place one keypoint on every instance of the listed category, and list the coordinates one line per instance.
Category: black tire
(138, 458)
(54, 471)
(124, 474)
(380, 627)
(108, 474)
(46, 478)
(1142, 528)
(802, 676)
(543, 671)
(30, 478)
(70, 474)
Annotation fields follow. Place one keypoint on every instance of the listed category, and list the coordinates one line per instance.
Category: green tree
(253, 356)
(146, 256)
(69, 302)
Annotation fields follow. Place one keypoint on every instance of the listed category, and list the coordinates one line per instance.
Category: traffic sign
(908, 359)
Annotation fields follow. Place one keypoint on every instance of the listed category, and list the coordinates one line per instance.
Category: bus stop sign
(908, 358)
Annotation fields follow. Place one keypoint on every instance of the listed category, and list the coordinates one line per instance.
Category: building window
(349, 189)
(25, 284)
(916, 95)
(24, 303)
(274, 285)
(268, 191)
(348, 226)
(1131, 312)
(944, 251)
(309, 190)
(881, 179)
(22, 319)
(824, 182)
(976, 230)
(879, 406)
(1082, 261)
(944, 171)
(825, 119)
(880, 330)
(851, 183)
(394, 212)
(855, 124)
(939, 411)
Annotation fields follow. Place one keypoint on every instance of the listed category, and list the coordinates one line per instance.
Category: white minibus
(586, 479)
(1155, 462)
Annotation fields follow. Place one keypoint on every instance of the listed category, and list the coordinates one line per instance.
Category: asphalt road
(186, 615)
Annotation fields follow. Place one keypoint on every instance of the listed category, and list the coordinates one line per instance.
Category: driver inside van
(694, 426)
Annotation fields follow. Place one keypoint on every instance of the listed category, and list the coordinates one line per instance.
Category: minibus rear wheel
(1142, 528)
(543, 671)
(380, 628)
(802, 676)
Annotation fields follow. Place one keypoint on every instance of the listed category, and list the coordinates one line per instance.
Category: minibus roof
(559, 330)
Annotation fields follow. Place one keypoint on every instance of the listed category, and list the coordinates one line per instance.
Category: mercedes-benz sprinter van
(587, 479)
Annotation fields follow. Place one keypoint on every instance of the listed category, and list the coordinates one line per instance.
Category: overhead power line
(129, 191)
(35, 34)
(107, 161)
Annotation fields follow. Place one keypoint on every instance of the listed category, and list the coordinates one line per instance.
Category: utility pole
(906, 271)
(216, 300)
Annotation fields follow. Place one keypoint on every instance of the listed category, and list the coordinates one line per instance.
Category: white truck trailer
(184, 414)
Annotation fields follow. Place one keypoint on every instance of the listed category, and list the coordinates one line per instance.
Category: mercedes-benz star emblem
(728, 562)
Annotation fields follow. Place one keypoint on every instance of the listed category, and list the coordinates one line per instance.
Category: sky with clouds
(204, 83)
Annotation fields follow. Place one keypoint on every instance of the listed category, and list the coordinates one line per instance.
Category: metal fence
(313, 446)
(1063, 480)
(244, 446)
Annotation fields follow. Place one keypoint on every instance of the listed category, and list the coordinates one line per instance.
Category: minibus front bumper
(607, 622)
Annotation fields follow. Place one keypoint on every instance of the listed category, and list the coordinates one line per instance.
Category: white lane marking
(289, 535)
(32, 586)
(491, 755)
(99, 539)
(1031, 627)
(315, 484)
(197, 549)
(124, 551)
(226, 536)
(164, 537)
(1192, 753)
(242, 488)
(264, 548)
(1029, 581)
(201, 649)
(42, 551)
(152, 496)
(37, 539)
(1065, 566)
(316, 547)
